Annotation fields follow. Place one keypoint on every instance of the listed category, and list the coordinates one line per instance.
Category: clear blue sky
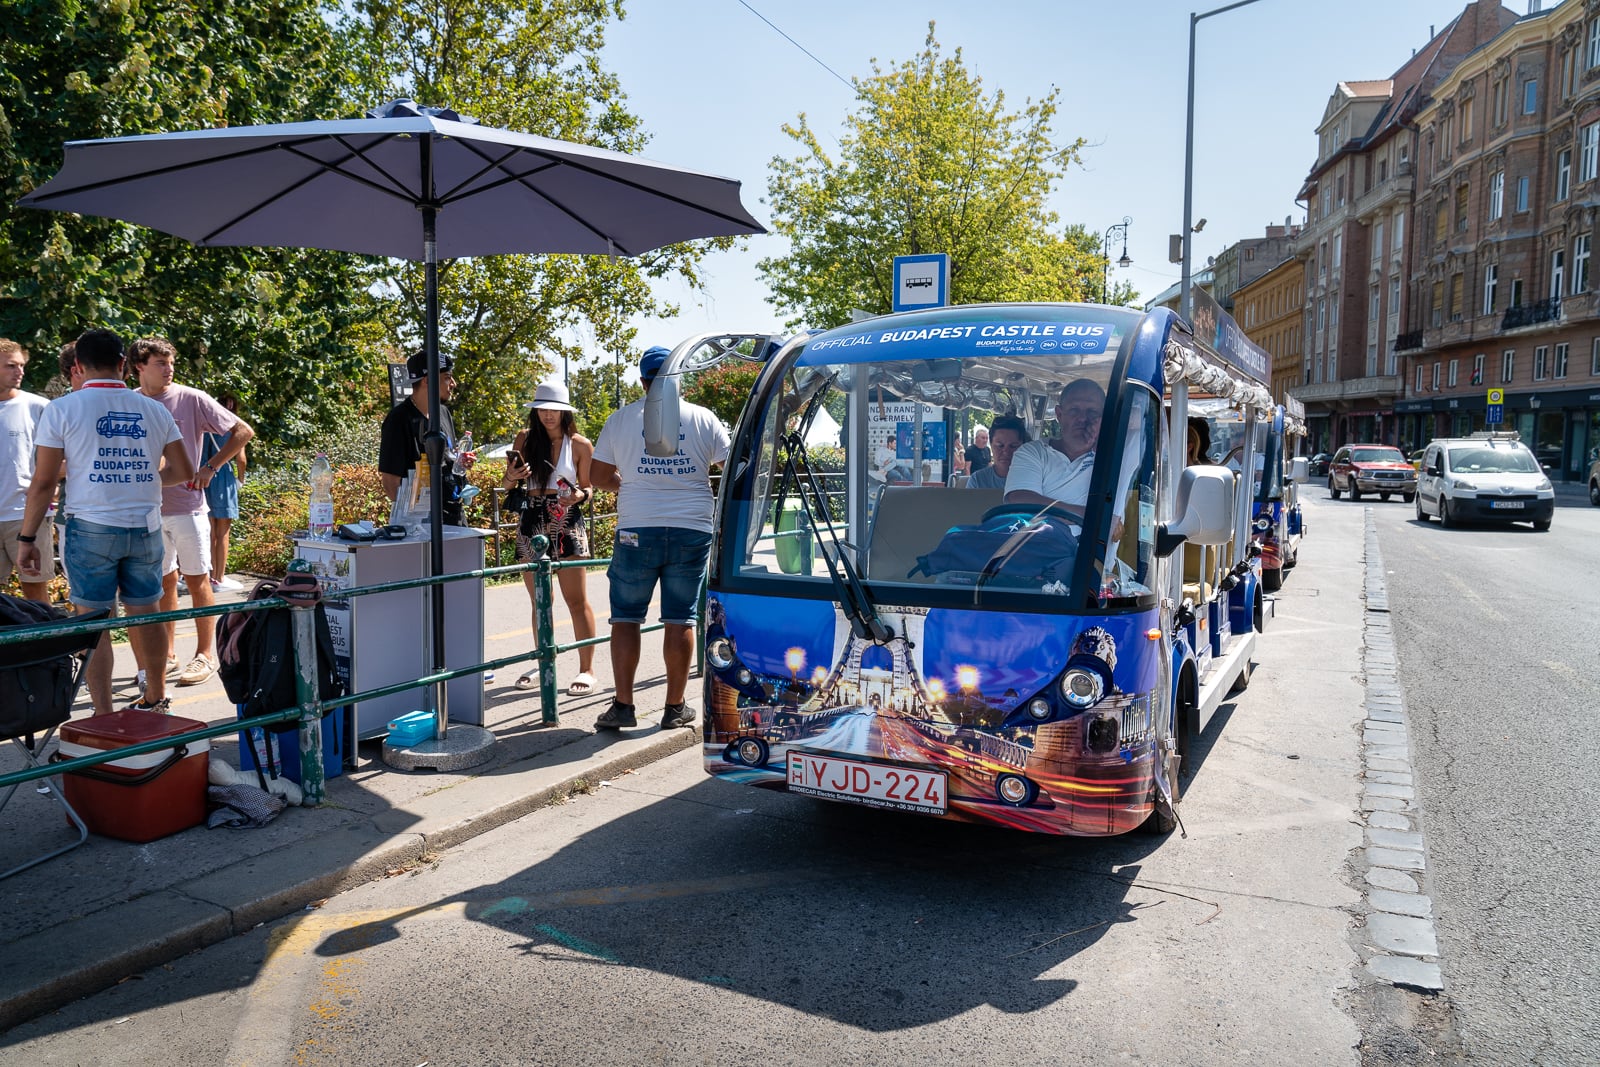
(714, 85)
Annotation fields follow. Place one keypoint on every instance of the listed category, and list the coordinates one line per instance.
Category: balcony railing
(1532, 314)
(1407, 341)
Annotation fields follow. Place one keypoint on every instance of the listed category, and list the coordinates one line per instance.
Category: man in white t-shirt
(185, 523)
(19, 414)
(664, 523)
(1057, 472)
(119, 449)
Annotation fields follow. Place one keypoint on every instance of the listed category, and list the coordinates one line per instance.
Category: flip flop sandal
(582, 685)
(529, 680)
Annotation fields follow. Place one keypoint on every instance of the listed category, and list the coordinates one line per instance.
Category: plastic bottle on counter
(320, 526)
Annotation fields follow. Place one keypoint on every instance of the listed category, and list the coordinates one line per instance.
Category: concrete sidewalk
(109, 909)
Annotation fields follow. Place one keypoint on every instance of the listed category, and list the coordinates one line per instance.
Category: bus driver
(1057, 471)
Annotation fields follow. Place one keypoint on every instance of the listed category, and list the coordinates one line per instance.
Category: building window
(1580, 264)
(1541, 357)
(1497, 194)
(1452, 375)
(1491, 283)
(1455, 297)
(1594, 358)
(1374, 294)
(1322, 259)
(1394, 297)
(1435, 385)
(1436, 306)
(1522, 193)
(1418, 387)
(1333, 314)
(1466, 120)
(1558, 272)
(1530, 96)
(1589, 152)
(1461, 209)
(1500, 92)
(1477, 368)
(1372, 360)
(1563, 174)
(1340, 195)
(1560, 368)
(1508, 365)
(1322, 313)
(1568, 63)
(1594, 43)
(1338, 244)
(1399, 230)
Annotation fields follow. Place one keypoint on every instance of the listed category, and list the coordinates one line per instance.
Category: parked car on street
(1490, 477)
(1380, 469)
(1319, 464)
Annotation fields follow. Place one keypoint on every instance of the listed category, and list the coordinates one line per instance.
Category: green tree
(510, 320)
(273, 326)
(929, 162)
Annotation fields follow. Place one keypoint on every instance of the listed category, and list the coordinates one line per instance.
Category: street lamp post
(1184, 306)
(1105, 249)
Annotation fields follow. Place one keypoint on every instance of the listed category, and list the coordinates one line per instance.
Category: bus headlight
(720, 652)
(1082, 688)
(1263, 524)
(1039, 709)
(745, 677)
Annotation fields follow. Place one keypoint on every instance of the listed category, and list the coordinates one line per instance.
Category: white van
(1488, 477)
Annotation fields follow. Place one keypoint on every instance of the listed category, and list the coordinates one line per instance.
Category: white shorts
(188, 544)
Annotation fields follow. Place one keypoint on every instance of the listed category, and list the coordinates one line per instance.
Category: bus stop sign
(921, 282)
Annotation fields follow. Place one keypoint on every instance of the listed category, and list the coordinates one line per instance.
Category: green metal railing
(309, 710)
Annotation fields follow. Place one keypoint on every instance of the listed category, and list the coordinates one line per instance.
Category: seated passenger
(1008, 435)
(1058, 471)
(1199, 441)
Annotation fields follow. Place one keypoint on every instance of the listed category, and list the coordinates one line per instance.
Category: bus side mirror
(1299, 469)
(1205, 507)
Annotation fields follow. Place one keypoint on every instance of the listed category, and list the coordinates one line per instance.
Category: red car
(1381, 469)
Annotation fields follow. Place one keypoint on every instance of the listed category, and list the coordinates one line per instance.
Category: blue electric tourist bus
(882, 629)
(1279, 524)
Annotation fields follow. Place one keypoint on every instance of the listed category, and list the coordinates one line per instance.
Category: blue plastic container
(409, 729)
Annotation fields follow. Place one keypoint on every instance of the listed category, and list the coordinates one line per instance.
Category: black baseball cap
(417, 365)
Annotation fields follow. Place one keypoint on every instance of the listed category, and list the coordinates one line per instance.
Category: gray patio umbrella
(408, 182)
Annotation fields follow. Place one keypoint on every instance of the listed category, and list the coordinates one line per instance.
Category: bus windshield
(964, 469)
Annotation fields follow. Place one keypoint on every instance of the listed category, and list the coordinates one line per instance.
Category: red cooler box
(137, 798)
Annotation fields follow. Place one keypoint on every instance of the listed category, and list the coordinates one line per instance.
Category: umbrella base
(462, 747)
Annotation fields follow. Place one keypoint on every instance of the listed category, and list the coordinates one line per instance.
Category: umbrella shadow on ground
(877, 920)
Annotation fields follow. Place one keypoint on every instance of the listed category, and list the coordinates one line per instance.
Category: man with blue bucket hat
(664, 523)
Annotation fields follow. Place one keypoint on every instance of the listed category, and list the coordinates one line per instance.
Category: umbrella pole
(436, 445)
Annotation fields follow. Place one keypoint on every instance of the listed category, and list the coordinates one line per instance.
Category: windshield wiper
(858, 609)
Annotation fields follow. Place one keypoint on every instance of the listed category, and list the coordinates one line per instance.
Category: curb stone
(1399, 929)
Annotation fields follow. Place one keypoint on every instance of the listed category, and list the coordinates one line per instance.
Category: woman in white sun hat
(552, 459)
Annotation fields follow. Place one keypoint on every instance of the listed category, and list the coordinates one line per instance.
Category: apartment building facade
(1504, 291)
(1356, 246)
(1271, 310)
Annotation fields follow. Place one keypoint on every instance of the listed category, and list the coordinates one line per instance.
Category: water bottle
(463, 446)
(320, 528)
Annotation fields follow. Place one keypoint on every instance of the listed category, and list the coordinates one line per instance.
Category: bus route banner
(1218, 329)
(957, 339)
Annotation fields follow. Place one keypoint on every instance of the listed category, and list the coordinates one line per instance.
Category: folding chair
(38, 683)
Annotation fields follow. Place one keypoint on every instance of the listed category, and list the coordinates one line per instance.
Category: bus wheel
(1242, 682)
(1015, 790)
(1272, 580)
(751, 751)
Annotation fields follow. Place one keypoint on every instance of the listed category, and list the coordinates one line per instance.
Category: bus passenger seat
(910, 520)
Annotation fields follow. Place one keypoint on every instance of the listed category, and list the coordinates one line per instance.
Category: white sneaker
(227, 585)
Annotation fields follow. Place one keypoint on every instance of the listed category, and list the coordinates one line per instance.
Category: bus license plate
(1506, 504)
(876, 785)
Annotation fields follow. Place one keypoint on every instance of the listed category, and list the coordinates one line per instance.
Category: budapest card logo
(121, 424)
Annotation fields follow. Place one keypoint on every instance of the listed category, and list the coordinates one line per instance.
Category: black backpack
(255, 655)
(36, 678)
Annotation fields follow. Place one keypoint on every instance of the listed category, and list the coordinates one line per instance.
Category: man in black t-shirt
(977, 453)
(400, 442)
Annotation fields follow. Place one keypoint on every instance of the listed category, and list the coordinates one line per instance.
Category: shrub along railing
(309, 710)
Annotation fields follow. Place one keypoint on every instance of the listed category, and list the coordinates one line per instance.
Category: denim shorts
(102, 561)
(642, 556)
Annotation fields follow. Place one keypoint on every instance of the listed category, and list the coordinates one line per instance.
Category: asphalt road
(1497, 647)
